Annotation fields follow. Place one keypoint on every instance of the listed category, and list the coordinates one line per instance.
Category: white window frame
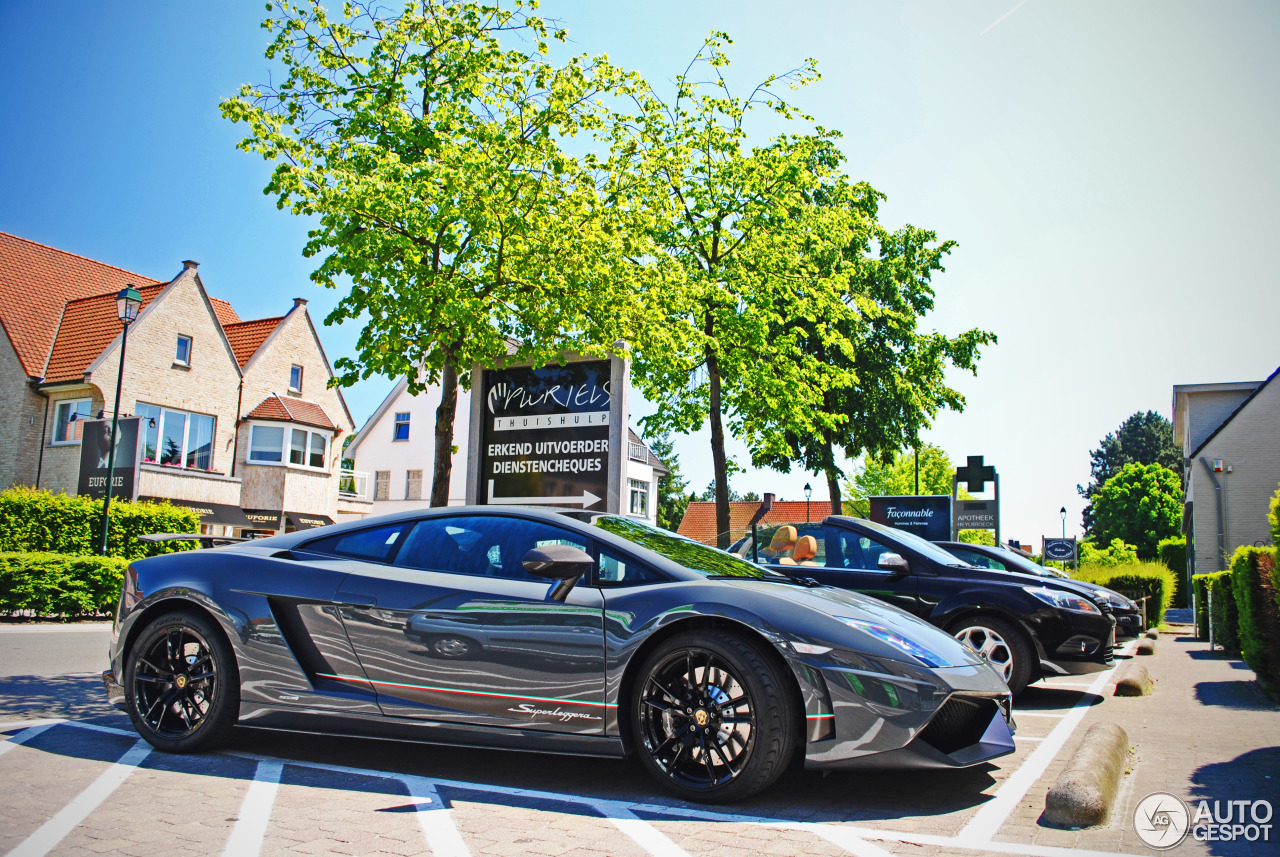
(406, 422)
(58, 420)
(409, 494)
(190, 345)
(286, 441)
(382, 485)
(144, 429)
(292, 388)
(642, 489)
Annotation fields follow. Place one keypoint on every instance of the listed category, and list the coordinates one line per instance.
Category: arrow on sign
(587, 500)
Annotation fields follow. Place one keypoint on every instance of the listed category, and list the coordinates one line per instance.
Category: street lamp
(1062, 513)
(128, 302)
(808, 492)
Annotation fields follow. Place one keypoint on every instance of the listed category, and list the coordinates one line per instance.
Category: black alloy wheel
(713, 717)
(181, 684)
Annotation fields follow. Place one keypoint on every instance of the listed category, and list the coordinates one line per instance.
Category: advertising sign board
(1061, 550)
(545, 435)
(95, 446)
(927, 516)
(977, 514)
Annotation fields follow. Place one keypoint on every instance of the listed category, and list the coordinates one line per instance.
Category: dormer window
(295, 379)
(182, 355)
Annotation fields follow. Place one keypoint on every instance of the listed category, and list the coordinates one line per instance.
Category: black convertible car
(535, 630)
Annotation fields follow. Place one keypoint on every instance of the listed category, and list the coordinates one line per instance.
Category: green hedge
(1224, 616)
(1273, 518)
(1254, 583)
(1173, 553)
(1200, 583)
(1135, 579)
(38, 521)
(55, 584)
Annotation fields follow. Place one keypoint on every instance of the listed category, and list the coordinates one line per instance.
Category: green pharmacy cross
(975, 475)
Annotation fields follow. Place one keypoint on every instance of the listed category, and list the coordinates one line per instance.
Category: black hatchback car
(1129, 619)
(1028, 628)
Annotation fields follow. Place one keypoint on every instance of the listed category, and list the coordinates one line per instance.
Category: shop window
(413, 485)
(182, 354)
(382, 485)
(639, 497)
(402, 427)
(176, 438)
(66, 430)
(295, 379)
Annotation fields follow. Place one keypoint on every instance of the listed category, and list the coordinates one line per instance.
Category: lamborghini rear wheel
(712, 717)
(182, 687)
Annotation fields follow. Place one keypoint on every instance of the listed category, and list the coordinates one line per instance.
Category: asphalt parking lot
(75, 779)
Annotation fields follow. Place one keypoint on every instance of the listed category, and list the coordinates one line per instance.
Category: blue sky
(1107, 168)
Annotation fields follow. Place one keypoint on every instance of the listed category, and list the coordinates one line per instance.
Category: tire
(1002, 645)
(450, 648)
(182, 687)
(712, 717)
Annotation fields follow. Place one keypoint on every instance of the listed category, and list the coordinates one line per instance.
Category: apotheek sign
(928, 517)
(977, 514)
(544, 435)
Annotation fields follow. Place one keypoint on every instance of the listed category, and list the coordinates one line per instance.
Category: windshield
(917, 544)
(1023, 564)
(695, 556)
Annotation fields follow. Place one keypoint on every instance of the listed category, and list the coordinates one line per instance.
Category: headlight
(910, 647)
(1062, 600)
(1117, 600)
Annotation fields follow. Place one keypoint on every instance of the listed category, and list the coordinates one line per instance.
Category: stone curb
(1134, 680)
(1146, 647)
(1087, 787)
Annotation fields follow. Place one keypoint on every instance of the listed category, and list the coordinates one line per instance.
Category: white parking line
(988, 820)
(37, 727)
(436, 819)
(642, 833)
(53, 831)
(844, 838)
(1054, 715)
(255, 811)
(1026, 738)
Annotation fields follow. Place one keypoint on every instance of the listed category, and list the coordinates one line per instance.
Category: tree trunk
(717, 453)
(445, 413)
(832, 474)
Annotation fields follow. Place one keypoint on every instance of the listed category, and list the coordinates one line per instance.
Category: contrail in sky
(1001, 18)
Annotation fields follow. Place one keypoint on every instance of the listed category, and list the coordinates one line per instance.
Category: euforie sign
(95, 453)
(927, 516)
(547, 436)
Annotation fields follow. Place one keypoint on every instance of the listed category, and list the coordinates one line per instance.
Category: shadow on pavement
(1250, 777)
(866, 795)
(1244, 693)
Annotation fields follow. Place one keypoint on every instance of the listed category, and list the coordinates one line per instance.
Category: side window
(374, 545)
(847, 549)
(487, 546)
(616, 570)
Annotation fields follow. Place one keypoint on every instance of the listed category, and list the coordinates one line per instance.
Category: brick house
(238, 417)
(699, 521)
(1231, 453)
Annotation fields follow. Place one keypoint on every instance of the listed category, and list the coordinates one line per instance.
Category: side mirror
(563, 563)
(894, 562)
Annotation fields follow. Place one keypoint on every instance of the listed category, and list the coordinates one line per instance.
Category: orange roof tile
(246, 337)
(291, 411)
(699, 521)
(88, 326)
(36, 281)
(223, 310)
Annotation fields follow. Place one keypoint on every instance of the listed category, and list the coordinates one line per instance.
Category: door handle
(354, 600)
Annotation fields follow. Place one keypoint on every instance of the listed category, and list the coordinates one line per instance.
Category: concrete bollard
(1147, 647)
(1134, 680)
(1086, 789)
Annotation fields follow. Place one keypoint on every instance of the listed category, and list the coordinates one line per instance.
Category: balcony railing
(637, 452)
(354, 484)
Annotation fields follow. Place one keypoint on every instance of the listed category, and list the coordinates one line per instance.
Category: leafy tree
(672, 501)
(1143, 438)
(1140, 505)
(977, 537)
(728, 226)
(1115, 553)
(887, 377)
(429, 145)
(897, 477)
